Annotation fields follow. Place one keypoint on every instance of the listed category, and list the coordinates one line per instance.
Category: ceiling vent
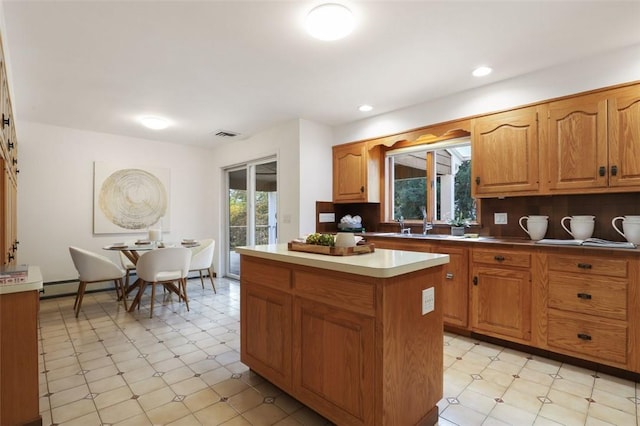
(225, 134)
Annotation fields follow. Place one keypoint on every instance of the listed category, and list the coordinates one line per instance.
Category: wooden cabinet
(588, 300)
(338, 341)
(8, 173)
(501, 293)
(624, 137)
(356, 171)
(455, 275)
(504, 153)
(594, 142)
(19, 395)
(266, 326)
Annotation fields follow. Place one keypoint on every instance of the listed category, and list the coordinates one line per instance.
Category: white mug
(581, 226)
(630, 228)
(345, 239)
(536, 226)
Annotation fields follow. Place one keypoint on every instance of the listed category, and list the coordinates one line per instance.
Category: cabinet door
(505, 153)
(501, 301)
(624, 137)
(350, 173)
(333, 346)
(455, 285)
(578, 143)
(266, 332)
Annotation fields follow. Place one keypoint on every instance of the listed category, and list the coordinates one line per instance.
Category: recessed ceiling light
(365, 108)
(481, 71)
(330, 21)
(155, 123)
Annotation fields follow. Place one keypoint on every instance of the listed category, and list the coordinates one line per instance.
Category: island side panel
(265, 325)
(412, 363)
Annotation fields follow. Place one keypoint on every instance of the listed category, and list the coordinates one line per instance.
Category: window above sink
(435, 175)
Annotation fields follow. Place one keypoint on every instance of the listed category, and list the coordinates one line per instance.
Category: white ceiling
(244, 66)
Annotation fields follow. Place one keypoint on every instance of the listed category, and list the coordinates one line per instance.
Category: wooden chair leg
(153, 296)
(201, 279)
(81, 287)
(123, 292)
(183, 283)
(211, 278)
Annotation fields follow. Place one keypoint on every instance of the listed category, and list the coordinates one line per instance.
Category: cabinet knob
(477, 180)
(614, 170)
(584, 336)
(475, 280)
(499, 258)
(584, 296)
(362, 189)
(584, 265)
(449, 275)
(602, 170)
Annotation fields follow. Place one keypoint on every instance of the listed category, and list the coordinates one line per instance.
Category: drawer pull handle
(602, 170)
(585, 296)
(583, 336)
(584, 265)
(449, 275)
(475, 280)
(499, 258)
(614, 170)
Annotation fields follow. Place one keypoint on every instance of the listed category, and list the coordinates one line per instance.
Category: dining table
(133, 253)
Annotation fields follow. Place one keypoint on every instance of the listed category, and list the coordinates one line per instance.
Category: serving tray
(331, 251)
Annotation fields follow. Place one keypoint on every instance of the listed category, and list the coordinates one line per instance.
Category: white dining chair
(201, 259)
(93, 268)
(168, 267)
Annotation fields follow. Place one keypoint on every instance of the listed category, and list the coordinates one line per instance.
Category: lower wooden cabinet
(501, 293)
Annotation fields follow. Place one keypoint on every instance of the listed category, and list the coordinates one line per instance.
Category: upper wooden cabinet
(356, 176)
(594, 142)
(504, 153)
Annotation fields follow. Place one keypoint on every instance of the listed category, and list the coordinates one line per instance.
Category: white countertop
(34, 282)
(382, 263)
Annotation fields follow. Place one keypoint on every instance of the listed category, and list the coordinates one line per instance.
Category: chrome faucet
(403, 230)
(426, 226)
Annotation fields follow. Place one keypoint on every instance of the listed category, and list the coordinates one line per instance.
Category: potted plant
(457, 225)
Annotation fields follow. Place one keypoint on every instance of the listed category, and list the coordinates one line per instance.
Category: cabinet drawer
(357, 296)
(594, 337)
(257, 271)
(502, 257)
(588, 295)
(589, 265)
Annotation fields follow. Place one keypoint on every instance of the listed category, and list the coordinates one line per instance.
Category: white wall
(55, 191)
(608, 69)
(315, 171)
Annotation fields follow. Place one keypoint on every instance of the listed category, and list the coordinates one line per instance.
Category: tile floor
(110, 367)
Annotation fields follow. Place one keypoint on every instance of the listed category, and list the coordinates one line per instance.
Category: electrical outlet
(428, 300)
(500, 218)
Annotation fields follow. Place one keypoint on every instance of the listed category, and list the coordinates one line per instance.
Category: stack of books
(13, 274)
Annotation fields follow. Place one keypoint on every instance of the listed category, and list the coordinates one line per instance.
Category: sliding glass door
(251, 214)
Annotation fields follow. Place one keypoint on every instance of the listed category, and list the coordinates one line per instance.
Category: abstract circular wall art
(128, 199)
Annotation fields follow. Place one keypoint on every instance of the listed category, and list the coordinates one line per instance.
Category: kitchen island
(346, 335)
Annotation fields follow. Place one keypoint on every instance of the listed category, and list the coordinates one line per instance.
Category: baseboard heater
(70, 287)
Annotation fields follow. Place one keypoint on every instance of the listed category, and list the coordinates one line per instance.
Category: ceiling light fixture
(365, 108)
(330, 21)
(481, 71)
(155, 123)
